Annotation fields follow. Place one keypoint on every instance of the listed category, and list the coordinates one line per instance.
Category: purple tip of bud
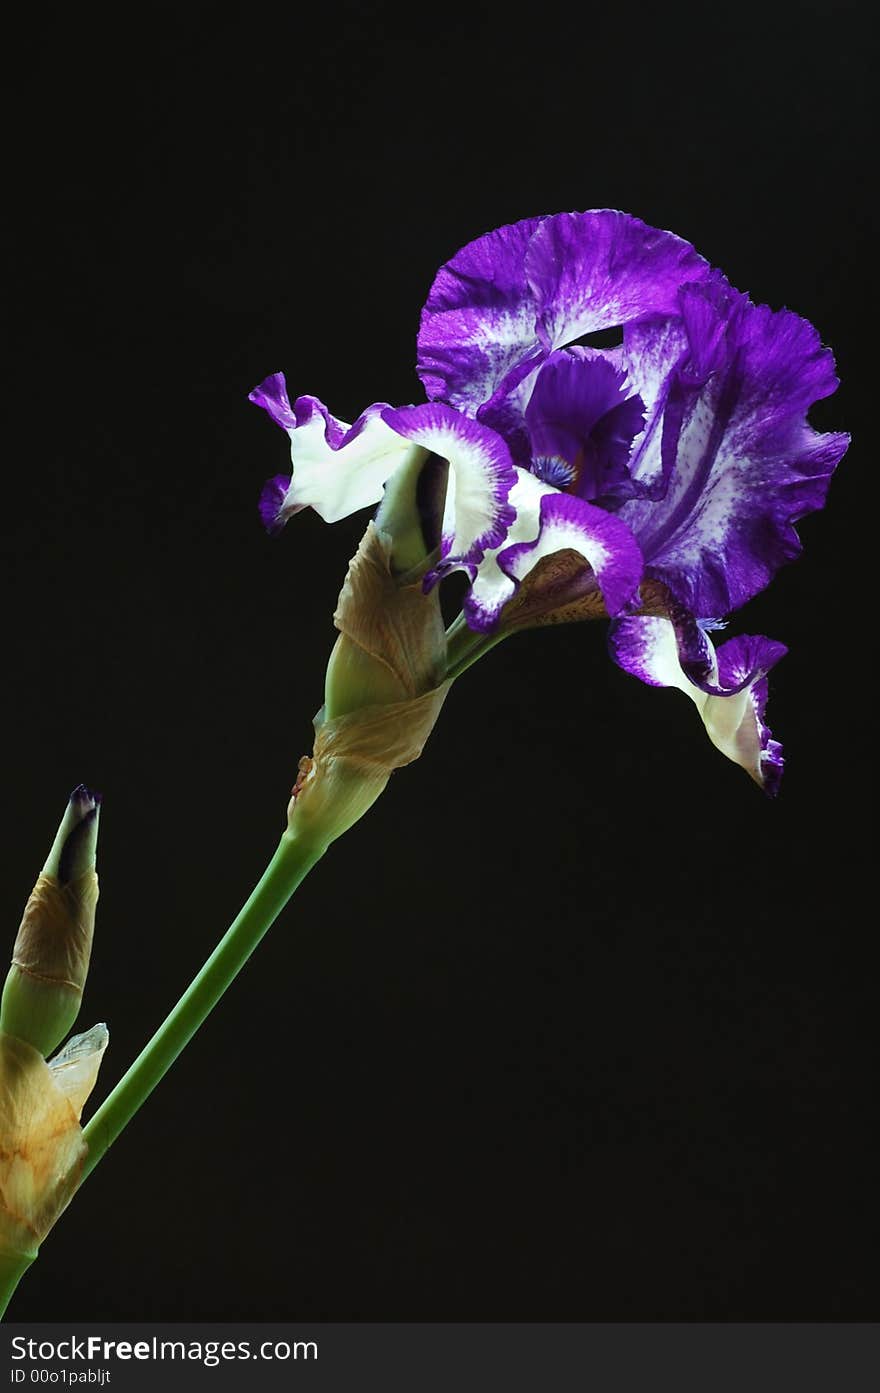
(77, 851)
(73, 850)
(81, 794)
(271, 503)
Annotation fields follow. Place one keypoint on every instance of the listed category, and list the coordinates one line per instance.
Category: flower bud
(392, 640)
(50, 960)
(384, 689)
(411, 512)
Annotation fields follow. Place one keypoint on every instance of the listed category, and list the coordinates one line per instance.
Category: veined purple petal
(479, 318)
(481, 475)
(705, 309)
(337, 469)
(731, 698)
(272, 509)
(652, 354)
(595, 270)
(523, 290)
(581, 424)
(505, 411)
(272, 396)
(743, 465)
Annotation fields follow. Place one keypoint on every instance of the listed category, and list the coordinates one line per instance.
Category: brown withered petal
(396, 624)
(560, 589)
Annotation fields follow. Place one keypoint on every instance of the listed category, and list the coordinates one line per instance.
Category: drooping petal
(479, 319)
(743, 464)
(595, 270)
(481, 476)
(581, 424)
(743, 734)
(337, 469)
(731, 697)
(549, 522)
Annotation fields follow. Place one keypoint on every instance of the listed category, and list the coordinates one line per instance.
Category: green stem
(464, 646)
(288, 867)
(13, 1266)
(463, 655)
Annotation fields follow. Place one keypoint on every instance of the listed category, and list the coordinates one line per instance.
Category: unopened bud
(410, 515)
(50, 961)
(384, 689)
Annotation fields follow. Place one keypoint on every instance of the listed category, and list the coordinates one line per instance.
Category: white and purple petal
(548, 522)
(731, 696)
(742, 462)
(272, 396)
(524, 290)
(481, 475)
(567, 523)
(337, 469)
(652, 354)
(478, 322)
(491, 587)
(743, 734)
(599, 269)
(505, 411)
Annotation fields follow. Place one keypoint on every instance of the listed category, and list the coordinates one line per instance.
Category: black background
(574, 1025)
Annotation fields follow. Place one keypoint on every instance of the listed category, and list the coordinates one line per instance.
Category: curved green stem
(13, 1266)
(288, 867)
(294, 858)
(464, 654)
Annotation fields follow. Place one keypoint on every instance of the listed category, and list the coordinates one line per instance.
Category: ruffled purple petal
(742, 463)
(479, 319)
(477, 514)
(272, 396)
(534, 286)
(730, 695)
(652, 355)
(273, 512)
(594, 270)
(505, 411)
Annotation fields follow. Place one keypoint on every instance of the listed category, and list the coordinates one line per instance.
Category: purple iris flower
(656, 482)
